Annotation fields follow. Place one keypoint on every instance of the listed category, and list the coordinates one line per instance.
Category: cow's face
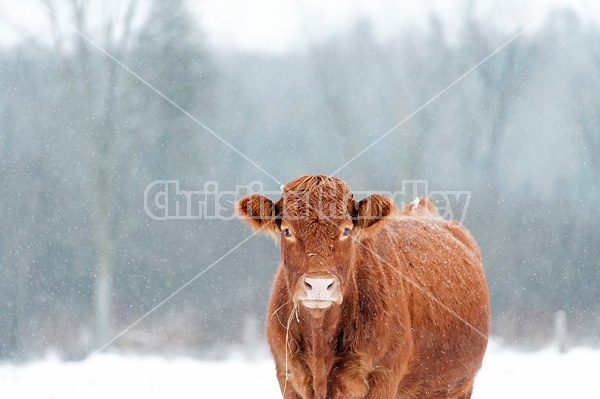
(320, 227)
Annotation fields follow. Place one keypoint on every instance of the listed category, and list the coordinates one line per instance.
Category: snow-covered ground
(505, 374)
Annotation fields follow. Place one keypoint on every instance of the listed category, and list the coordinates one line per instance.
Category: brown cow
(370, 301)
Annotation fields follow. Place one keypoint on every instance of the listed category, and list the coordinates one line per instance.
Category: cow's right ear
(259, 212)
(371, 210)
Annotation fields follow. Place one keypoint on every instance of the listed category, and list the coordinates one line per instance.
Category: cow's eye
(287, 232)
(346, 231)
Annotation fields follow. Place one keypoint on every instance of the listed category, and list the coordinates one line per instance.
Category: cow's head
(320, 227)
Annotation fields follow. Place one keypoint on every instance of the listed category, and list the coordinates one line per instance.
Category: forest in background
(81, 138)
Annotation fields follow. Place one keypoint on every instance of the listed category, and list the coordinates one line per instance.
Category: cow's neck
(319, 336)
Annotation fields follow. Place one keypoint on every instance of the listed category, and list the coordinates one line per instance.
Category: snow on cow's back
(420, 206)
(423, 207)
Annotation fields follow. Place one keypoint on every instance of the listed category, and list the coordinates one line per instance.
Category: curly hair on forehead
(329, 185)
(327, 196)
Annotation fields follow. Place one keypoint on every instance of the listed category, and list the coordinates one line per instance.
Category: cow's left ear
(259, 212)
(371, 210)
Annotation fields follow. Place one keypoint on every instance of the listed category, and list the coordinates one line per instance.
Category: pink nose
(319, 288)
(319, 292)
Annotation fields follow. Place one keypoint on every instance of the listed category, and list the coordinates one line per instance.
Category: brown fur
(414, 318)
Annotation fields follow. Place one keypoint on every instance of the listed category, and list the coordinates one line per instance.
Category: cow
(369, 300)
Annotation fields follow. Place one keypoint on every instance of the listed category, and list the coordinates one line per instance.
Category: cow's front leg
(349, 379)
(297, 384)
(358, 378)
(382, 385)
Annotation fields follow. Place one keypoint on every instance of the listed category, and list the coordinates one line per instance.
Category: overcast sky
(280, 25)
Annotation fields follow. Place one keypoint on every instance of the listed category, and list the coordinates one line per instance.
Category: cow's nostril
(331, 286)
(307, 285)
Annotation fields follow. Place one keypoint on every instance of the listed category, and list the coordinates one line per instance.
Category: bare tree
(585, 88)
(104, 98)
(494, 94)
(94, 80)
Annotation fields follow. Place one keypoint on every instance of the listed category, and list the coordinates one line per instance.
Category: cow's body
(413, 321)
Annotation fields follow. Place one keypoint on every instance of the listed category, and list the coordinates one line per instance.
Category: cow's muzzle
(319, 292)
